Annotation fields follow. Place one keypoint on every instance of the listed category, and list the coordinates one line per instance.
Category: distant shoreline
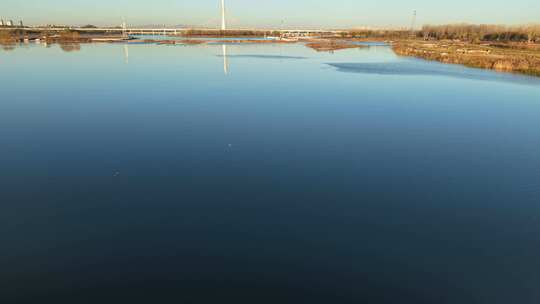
(515, 57)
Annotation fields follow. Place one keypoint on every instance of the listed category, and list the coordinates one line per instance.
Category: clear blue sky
(329, 13)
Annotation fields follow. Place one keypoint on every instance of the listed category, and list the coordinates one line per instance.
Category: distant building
(21, 24)
(9, 23)
(2, 22)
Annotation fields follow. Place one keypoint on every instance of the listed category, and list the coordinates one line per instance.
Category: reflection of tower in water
(225, 60)
(126, 53)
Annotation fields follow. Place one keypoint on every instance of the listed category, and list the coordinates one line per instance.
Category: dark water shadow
(70, 47)
(264, 56)
(419, 67)
(138, 43)
(226, 43)
(8, 45)
(369, 44)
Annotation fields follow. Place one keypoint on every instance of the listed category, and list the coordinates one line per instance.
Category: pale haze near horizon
(244, 13)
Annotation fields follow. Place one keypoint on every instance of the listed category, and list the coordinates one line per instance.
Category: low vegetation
(8, 40)
(329, 45)
(486, 55)
(69, 36)
(66, 37)
(7, 36)
(377, 35)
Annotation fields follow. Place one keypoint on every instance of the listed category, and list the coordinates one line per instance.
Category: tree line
(482, 32)
(380, 34)
(464, 32)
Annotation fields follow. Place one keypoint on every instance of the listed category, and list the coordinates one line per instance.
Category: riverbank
(516, 57)
(520, 58)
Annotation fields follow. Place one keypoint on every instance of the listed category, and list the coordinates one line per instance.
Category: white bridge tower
(223, 21)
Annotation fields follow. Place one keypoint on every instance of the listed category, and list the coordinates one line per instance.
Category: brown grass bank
(506, 57)
(8, 39)
(331, 45)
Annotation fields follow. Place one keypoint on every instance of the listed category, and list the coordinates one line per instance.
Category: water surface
(265, 174)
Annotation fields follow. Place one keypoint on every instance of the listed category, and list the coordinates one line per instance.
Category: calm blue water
(273, 174)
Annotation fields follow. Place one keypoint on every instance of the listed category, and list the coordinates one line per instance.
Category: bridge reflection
(126, 53)
(225, 60)
(224, 50)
